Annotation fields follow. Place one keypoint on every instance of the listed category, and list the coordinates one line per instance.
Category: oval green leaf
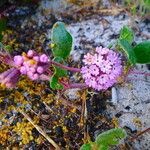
(127, 34)
(142, 52)
(54, 83)
(126, 47)
(110, 137)
(61, 40)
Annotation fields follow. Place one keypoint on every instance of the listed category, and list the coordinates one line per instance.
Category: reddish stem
(49, 72)
(140, 73)
(75, 85)
(131, 79)
(65, 67)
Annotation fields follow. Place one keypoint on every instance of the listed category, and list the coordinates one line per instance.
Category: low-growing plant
(101, 69)
(140, 7)
(105, 140)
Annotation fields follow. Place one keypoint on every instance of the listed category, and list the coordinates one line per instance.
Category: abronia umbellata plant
(101, 68)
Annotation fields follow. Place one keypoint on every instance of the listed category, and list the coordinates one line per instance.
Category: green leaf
(103, 147)
(110, 137)
(54, 83)
(147, 3)
(2, 27)
(58, 71)
(61, 40)
(142, 52)
(127, 34)
(86, 147)
(128, 50)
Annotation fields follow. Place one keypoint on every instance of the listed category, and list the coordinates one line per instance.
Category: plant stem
(76, 85)
(131, 79)
(139, 73)
(65, 67)
(142, 132)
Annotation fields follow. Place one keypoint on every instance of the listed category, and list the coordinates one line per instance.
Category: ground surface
(127, 105)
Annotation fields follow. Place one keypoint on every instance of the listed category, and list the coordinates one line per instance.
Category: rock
(72, 94)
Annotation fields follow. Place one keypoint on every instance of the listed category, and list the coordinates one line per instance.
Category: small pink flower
(91, 82)
(86, 72)
(106, 67)
(88, 59)
(103, 79)
(99, 49)
(98, 59)
(105, 51)
(117, 70)
(112, 58)
(94, 70)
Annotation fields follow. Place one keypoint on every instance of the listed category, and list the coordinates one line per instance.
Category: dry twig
(40, 130)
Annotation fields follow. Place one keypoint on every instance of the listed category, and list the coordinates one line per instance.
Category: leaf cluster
(140, 53)
(105, 140)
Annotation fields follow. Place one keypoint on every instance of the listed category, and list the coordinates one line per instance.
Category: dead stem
(40, 130)
(140, 133)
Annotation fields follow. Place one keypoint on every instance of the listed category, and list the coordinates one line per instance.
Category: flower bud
(23, 70)
(36, 58)
(43, 58)
(30, 53)
(40, 69)
(18, 60)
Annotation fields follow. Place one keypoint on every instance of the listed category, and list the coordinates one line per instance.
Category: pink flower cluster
(31, 64)
(101, 69)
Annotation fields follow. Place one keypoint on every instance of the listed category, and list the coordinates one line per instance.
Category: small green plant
(140, 7)
(105, 140)
(140, 53)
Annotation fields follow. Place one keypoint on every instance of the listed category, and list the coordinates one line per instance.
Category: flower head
(102, 69)
(31, 64)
